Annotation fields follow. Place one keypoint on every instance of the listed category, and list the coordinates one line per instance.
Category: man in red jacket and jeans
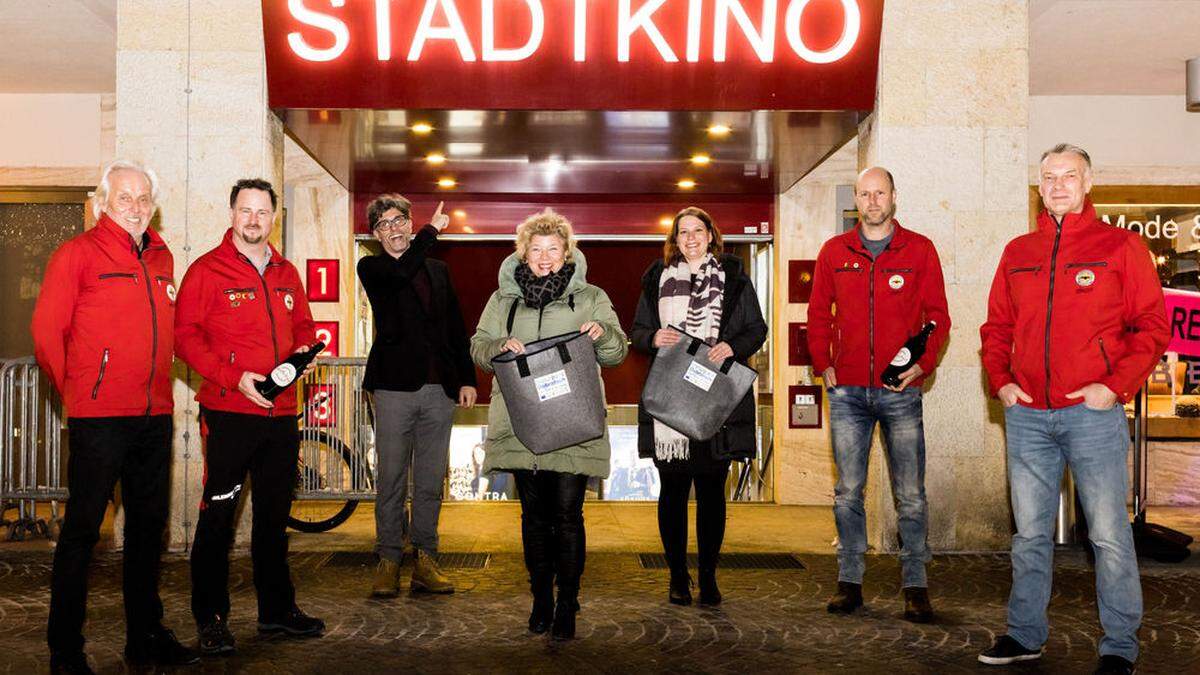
(242, 310)
(1076, 322)
(885, 282)
(103, 333)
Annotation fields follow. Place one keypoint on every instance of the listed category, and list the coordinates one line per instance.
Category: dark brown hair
(385, 202)
(671, 251)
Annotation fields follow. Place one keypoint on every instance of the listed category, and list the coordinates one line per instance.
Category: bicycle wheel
(325, 465)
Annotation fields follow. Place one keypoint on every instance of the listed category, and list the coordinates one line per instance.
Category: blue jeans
(1095, 444)
(853, 412)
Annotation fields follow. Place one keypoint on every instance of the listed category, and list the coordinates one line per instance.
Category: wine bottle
(909, 354)
(285, 374)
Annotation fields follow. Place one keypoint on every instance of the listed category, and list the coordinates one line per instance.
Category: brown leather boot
(917, 607)
(387, 579)
(847, 599)
(427, 577)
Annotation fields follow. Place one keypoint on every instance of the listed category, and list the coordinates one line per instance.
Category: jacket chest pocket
(1085, 276)
(286, 297)
(237, 301)
(849, 278)
(165, 286)
(1024, 282)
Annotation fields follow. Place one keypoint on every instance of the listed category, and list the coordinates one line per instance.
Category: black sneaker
(295, 623)
(160, 646)
(1111, 664)
(72, 663)
(847, 599)
(215, 638)
(1006, 650)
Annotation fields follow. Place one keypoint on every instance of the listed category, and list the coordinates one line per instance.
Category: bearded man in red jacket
(103, 332)
(874, 288)
(1076, 322)
(242, 310)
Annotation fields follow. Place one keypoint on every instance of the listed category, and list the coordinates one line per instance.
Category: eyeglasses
(398, 221)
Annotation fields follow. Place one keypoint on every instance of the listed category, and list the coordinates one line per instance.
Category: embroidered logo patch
(288, 302)
(1085, 278)
(896, 282)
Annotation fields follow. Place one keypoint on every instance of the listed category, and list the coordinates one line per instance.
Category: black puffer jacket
(742, 327)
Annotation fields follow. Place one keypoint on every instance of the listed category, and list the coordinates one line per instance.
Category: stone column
(951, 123)
(191, 103)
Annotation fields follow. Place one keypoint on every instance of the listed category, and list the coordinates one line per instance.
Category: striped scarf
(693, 304)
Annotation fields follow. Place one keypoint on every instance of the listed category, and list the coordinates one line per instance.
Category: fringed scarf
(693, 304)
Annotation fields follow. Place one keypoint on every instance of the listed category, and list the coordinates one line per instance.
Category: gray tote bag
(691, 394)
(553, 392)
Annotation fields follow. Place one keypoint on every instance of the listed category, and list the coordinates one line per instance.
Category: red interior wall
(616, 267)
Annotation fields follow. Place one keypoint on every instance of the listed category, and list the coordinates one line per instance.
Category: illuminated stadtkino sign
(441, 20)
(573, 54)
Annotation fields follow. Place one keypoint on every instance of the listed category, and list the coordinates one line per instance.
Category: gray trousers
(412, 430)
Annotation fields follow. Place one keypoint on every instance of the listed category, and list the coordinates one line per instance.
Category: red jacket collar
(1070, 222)
(229, 250)
(119, 238)
(900, 237)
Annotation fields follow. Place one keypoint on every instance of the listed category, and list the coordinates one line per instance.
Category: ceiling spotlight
(421, 128)
(458, 213)
(666, 221)
(686, 184)
(446, 183)
(719, 130)
(701, 160)
(435, 158)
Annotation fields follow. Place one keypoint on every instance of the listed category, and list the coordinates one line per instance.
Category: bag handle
(523, 363)
(563, 353)
(726, 365)
(522, 366)
(512, 314)
(693, 347)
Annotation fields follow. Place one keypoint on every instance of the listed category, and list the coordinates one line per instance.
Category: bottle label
(902, 357)
(284, 374)
(552, 386)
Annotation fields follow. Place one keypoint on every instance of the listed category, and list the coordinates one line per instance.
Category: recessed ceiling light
(458, 213)
(421, 128)
(435, 158)
(701, 160)
(686, 184)
(666, 221)
(719, 130)
(447, 183)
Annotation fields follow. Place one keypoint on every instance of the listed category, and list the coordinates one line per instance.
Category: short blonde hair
(548, 222)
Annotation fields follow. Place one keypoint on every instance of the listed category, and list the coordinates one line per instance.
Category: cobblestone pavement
(771, 621)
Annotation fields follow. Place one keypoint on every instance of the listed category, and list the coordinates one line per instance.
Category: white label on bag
(552, 386)
(700, 376)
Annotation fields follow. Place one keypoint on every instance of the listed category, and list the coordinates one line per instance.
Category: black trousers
(710, 517)
(103, 450)
(267, 449)
(552, 528)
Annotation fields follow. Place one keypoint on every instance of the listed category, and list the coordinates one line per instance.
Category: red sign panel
(798, 354)
(573, 54)
(320, 405)
(327, 332)
(322, 280)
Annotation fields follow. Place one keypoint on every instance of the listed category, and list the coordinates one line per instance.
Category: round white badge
(171, 292)
(902, 357)
(232, 297)
(1085, 278)
(288, 302)
(284, 374)
(896, 282)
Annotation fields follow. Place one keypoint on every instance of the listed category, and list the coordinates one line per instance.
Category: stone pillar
(192, 104)
(951, 123)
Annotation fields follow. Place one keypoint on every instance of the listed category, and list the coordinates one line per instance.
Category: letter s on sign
(845, 43)
(341, 34)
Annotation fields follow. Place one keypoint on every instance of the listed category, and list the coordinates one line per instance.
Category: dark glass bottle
(909, 354)
(285, 374)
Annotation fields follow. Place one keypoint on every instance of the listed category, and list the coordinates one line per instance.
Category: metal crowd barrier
(337, 433)
(32, 432)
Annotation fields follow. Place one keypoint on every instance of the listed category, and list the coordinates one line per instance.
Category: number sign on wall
(322, 281)
(327, 332)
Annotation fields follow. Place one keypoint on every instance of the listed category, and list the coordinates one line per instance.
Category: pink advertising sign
(1183, 310)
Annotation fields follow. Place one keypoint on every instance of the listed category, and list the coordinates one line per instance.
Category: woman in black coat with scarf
(708, 294)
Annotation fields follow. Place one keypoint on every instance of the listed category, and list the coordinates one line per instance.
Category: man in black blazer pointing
(419, 367)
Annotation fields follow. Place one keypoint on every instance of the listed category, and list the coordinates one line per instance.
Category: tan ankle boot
(387, 579)
(427, 577)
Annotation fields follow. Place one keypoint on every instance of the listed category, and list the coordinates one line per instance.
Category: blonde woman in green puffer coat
(543, 286)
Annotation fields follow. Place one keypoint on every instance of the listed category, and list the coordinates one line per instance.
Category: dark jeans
(853, 413)
(267, 448)
(552, 528)
(136, 451)
(710, 517)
